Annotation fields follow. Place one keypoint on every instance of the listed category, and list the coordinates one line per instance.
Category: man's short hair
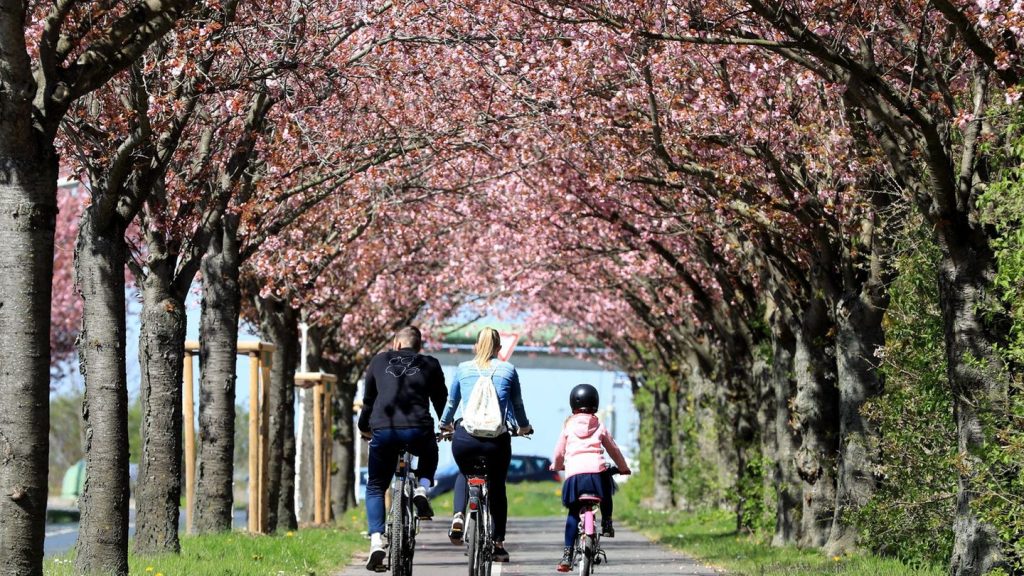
(409, 337)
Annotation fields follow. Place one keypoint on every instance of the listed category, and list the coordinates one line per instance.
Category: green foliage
(911, 514)
(710, 536)
(999, 479)
(525, 500)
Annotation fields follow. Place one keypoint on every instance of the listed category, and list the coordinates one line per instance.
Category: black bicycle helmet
(584, 398)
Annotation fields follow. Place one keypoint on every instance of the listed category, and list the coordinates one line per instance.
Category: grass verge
(710, 537)
(525, 500)
(306, 552)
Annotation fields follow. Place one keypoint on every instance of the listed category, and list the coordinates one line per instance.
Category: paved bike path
(535, 545)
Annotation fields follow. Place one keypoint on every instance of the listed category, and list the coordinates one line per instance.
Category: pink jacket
(579, 448)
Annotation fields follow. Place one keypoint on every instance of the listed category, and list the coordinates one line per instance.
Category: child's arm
(558, 460)
(614, 452)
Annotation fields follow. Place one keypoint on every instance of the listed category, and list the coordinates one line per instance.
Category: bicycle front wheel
(486, 541)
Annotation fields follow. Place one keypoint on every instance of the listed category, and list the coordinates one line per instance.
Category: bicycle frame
(588, 551)
(403, 523)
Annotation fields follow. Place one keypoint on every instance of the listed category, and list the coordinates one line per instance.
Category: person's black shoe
(419, 499)
(607, 530)
(499, 554)
(565, 564)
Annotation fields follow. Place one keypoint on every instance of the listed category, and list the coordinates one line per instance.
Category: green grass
(307, 552)
(525, 500)
(710, 537)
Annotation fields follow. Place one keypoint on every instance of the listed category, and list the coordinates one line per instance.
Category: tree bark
(28, 207)
(218, 346)
(661, 448)
(965, 276)
(99, 276)
(787, 439)
(279, 324)
(859, 333)
(816, 407)
(304, 461)
(343, 493)
(161, 360)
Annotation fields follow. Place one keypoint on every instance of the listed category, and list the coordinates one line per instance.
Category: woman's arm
(516, 396)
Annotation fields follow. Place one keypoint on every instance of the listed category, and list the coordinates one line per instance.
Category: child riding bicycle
(579, 452)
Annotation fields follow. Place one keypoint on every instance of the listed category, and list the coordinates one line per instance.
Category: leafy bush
(911, 515)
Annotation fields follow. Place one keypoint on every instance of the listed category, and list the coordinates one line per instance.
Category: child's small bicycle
(587, 550)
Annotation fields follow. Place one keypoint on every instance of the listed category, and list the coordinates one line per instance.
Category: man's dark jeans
(384, 447)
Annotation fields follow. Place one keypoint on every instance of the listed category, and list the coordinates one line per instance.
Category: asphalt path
(535, 546)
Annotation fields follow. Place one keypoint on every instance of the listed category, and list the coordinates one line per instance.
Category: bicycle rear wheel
(397, 540)
(586, 555)
(473, 542)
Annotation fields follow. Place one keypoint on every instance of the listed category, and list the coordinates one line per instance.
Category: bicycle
(479, 543)
(477, 533)
(403, 522)
(587, 549)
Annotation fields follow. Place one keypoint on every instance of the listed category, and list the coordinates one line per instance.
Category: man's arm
(438, 391)
(369, 397)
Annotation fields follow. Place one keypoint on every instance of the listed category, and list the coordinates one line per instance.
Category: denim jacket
(506, 384)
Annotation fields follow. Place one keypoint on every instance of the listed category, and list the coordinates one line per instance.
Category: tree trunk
(304, 461)
(305, 456)
(28, 205)
(816, 408)
(218, 342)
(661, 447)
(343, 490)
(161, 361)
(99, 277)
(279, 324)
(765, 419)
(286, 505)
(965, 278)
(858, 334)
(787, 439)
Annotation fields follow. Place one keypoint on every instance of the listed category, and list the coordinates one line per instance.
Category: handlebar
(445, 434)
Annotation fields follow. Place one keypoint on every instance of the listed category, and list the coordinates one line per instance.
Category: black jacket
(400, 386)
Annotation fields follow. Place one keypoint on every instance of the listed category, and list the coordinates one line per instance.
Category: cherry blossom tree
(54, 55)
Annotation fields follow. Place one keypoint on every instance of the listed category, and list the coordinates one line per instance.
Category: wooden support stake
(329, 459)
(188, 413)
(265, 363)
(318, 457)
(254, 441)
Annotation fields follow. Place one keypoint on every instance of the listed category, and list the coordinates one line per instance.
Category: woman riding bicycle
(580, 452)
(494, 447)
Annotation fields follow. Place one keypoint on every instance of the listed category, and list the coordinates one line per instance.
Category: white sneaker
(455, 533)
(423, 508)
(377, 553)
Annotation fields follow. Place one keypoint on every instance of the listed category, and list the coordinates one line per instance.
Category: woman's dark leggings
(497, 454)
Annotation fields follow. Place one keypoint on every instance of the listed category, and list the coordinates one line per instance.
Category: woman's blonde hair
(488, 342)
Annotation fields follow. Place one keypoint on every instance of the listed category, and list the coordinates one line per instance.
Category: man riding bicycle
(400, 386)
(494, 446)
